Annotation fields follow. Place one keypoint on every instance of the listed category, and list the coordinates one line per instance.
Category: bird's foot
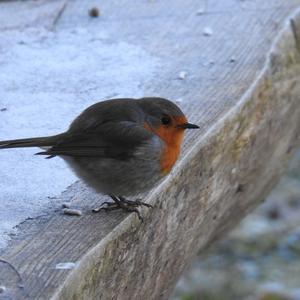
(118, 205)
(134, 203)
(124, 204)
(109, 206)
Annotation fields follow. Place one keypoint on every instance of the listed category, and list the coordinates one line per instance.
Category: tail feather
(31, 142)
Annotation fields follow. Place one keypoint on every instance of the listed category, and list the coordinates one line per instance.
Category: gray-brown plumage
(119, 147)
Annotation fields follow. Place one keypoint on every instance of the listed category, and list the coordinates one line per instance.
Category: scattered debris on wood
(274, 213)
(66, 205)
(208, 63)
(200, 11)
(72, 212)
(94, 12)
(179, 100)
(182, 75)
(65, 266)
(207, 31)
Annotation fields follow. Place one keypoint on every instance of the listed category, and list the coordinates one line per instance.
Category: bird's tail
(31, 142)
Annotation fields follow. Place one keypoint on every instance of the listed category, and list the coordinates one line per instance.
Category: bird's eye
(166, 120)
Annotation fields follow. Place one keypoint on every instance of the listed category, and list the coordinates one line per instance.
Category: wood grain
(242, 87)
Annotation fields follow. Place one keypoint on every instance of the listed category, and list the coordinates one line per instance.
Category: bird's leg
(118, 204)
(134, 203)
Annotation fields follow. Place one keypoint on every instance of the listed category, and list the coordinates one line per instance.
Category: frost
(46, 81)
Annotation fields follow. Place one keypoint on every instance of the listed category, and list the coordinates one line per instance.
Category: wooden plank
(246, 99)
(16, 15)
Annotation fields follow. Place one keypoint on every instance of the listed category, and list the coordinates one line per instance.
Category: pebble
(65, 266)
(94, 12)
(72, 212)
(274, 213)
(66, 205)
(207, 31)
(179, 100)
(200, 12)
(182, 75)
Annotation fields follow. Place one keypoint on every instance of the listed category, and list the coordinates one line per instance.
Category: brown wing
(116, 140)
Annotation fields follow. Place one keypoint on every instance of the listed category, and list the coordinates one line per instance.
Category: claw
(135, 210)
(124, 204)
(107, 203)
(110, 206)
(143, 203)
(95, 210)
(136, 202)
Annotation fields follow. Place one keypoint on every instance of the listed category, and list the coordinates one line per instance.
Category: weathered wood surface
(242, 87)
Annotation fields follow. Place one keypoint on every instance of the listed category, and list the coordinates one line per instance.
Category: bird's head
(165, 119)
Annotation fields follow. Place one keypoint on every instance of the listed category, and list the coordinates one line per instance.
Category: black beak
(188, 126)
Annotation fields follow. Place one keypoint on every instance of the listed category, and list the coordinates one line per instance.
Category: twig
(295, 33)
(21, 285)
(59, 14)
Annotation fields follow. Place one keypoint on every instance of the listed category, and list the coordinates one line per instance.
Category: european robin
(119, 147)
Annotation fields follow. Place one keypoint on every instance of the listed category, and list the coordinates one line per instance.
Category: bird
(119, 147)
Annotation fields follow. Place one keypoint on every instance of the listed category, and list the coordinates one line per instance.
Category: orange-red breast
(119, 147)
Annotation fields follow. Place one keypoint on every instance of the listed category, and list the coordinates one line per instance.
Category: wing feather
(116, 140)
